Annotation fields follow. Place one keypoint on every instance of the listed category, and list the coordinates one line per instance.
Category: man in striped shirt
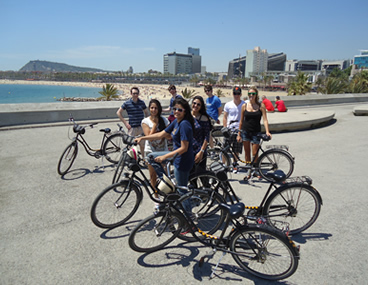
(137, 111)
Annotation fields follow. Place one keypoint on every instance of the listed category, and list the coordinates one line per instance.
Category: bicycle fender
(310, 187)
(140, 191)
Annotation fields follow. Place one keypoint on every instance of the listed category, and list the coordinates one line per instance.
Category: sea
(18, 93)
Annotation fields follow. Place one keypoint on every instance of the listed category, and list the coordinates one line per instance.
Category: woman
(181, 132)
(154, 123)
(202, 129)
(250, 124)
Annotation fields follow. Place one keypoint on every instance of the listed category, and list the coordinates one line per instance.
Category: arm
(120, 115)
(238, 138)
(224, 119)
(206, 130)
(182, 149)
(265, 120)
(155, 136)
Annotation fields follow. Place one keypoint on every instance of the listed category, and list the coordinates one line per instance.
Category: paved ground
(47, 236)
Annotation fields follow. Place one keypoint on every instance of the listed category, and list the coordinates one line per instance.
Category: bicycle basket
(128, 139)
(166, 185)
(226, 132)
(219, 170)
(79, 129)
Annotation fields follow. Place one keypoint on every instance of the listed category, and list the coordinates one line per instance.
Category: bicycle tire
(275, 159)
(156, 231)
(217, 155)
(264, 252)
(67, 158)
(119, 168)
(112, 147)
(296, 203)
(206, 214)
(115, 205)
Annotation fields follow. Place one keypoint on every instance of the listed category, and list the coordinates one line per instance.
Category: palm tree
(299, 85)
(219, 93)
(188, 94)
(194, 80)
(109, 91)
(334, 85)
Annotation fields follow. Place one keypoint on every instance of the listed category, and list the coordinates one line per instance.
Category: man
(214, 108)
(280, 105)
(172, 90)
(137, 111)
(232, 112)
(268, 104)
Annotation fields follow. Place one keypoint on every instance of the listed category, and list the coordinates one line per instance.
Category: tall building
(177, 63)
(256, 61)
(302, 65)
(361, 61)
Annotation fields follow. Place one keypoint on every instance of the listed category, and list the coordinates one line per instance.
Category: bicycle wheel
(208, 180)
(115, 205)
(216, 155)
(296, 204)
(275, 159)
(119, 168)
(264, 252)
(206, 214)
(156, 231)
(112, 147)
(67, 158)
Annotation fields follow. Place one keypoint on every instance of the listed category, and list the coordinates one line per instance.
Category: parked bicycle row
(193, 196)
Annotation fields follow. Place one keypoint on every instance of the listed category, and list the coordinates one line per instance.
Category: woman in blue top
(181, 132)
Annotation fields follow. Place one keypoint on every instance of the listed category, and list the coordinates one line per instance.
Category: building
(276, 61)
(237, 67)
(361, 61)
(256, 61)
(329, 65)
(177, 63)
(302, 65)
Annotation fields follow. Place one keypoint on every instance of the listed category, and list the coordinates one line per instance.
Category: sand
(147, 91)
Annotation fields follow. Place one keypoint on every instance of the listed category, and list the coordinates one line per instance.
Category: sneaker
(235, 170)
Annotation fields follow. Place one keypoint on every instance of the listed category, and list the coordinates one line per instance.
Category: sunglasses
(135, 93)
(178, 109)
(252, 94)
(196, 104)
(237, 93)
(207, 90)
(172, 89)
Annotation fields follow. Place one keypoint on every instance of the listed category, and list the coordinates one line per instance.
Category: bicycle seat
(277, 176)
(235, 211)
(106, 131)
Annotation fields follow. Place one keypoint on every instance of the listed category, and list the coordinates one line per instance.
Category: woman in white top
(154, 123)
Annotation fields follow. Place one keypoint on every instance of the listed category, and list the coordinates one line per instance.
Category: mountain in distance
(48, 66)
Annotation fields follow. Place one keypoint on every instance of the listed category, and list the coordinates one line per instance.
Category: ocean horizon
(19, 93)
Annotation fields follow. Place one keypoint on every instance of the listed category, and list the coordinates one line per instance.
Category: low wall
(31, 113)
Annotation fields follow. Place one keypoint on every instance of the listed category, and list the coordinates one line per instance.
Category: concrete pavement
(47, 236)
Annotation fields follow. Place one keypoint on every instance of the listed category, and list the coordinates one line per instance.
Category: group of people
(279, 104)
(189, 127)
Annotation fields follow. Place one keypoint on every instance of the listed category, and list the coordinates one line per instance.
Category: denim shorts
(250, 137)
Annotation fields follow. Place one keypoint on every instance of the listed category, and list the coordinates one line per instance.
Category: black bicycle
(116, 204)
(270, 160)
(257, 249)
(110, 148)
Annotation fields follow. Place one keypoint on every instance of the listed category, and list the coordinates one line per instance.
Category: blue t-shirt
(135, 112)
(182, 131)
(212, 104)
(172, 102)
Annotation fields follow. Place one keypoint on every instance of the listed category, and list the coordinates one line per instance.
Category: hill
(48, 66)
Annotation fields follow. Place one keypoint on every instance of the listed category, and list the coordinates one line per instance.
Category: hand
(198, 157)
(138, 140)
(128, 126)
(160, 159)
(269, 134)
(238, 138)
(155, 120)
(218, 121)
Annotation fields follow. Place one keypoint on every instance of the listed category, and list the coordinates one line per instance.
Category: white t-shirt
(156, 145)
(233, 114)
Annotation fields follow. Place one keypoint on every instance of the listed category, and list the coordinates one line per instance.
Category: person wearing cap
(280, 105)
(250, 125)
(137, 111)
(268, 104)
(214, 108)
(174, 95)
(231, 119)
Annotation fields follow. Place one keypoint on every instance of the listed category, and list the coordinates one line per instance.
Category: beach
(147, 91)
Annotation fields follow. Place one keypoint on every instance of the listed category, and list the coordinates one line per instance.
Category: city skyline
(118, 34)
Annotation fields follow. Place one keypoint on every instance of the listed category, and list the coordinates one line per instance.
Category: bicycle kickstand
(218, 263)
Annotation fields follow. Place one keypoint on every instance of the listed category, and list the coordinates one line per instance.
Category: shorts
(250, 137)
(135, 131)
(237, 147)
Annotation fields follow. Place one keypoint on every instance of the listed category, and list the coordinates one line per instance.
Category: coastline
(147, 91)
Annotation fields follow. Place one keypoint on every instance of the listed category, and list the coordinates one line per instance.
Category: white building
(256, 61)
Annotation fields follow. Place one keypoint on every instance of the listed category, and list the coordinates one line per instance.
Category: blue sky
(117, 34)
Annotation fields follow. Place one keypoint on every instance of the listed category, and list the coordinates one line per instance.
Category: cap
(237, 89)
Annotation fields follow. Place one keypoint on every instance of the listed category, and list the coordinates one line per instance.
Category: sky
(116, 34)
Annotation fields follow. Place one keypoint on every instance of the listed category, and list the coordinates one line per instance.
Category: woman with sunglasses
(181, 132)
(154, 123)
(250, 124)
(202, 129)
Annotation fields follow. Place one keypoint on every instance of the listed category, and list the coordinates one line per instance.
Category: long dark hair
(188, 112)
(202, 110)
(161, 122)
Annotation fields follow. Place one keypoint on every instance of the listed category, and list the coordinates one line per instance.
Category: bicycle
(293, 201)
(117, 203)
(270, 160)
(257, 249)
(110, 146)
